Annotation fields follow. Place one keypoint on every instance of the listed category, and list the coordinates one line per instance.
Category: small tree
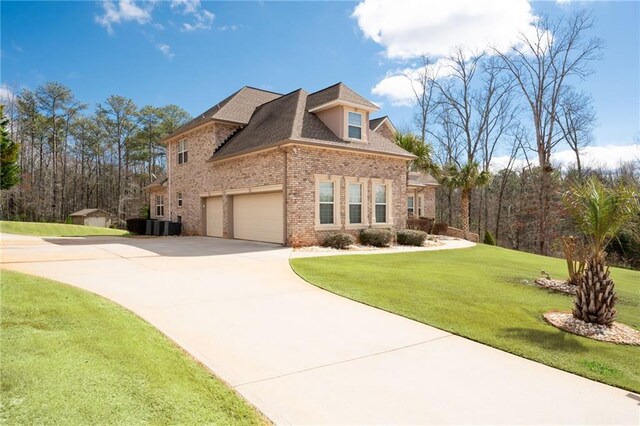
(9, 170)
(575, 254)
(423, 152)
(466, 179)
(600, 213)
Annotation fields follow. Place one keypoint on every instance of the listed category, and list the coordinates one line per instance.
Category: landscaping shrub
(411, 237)
(376, 237)
(489, 239)
(420, 224)
(338, 241)
(440, 228)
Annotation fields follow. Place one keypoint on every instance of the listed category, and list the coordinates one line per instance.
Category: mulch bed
(556, 285)
(615, 333)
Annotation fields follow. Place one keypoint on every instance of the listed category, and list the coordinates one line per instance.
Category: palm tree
(600, 213)
(465, 178)
(423, 152)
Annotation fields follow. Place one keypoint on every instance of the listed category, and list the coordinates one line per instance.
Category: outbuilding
(91, 217)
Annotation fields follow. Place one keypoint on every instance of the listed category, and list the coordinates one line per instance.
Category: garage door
(96, 221)
(214, 217)
(258, 217)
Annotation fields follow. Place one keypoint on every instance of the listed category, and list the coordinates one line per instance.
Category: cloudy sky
(194, 53)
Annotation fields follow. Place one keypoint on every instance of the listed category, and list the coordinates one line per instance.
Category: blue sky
(194, 54)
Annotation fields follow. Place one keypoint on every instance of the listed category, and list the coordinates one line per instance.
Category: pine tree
(9, 170)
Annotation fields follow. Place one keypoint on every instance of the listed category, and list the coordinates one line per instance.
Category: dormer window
(354, 125)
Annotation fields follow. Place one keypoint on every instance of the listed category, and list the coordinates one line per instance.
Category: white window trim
(336, 202)
(420, 205)
(413, 208)
(181, 150)
(389, 184)
(365, 211)
(160, 204)
(363, 128)
(180, 199)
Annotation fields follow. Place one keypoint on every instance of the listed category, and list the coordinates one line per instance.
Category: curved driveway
(303, 355)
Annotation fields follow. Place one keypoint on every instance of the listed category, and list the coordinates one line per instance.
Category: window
(380, 194)
(159, 205)
(326, 203)
(355, 125)
(183, 154)
(420, 200)
(355, 203)
(410, 205)
(179, 199)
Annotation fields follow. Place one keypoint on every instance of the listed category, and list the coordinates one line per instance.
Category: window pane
(326, 213)
(355, 213)
(355, 193)
(326, 192)
(381, 193)
(410, 202)
(355, 132)
(355, 119)
(381, 213)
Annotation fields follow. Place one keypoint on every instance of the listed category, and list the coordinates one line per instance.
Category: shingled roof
(237, 108)
(337, 92)
(287, 119)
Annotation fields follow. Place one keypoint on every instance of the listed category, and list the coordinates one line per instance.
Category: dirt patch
(615, 333)
(556, 285)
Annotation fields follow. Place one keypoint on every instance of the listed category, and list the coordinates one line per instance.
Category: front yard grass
(478, 293)
(70, 357)
(42, 229)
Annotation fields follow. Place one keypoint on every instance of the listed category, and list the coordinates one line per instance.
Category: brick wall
(302, 165)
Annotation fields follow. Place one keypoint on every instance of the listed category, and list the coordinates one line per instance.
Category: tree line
(72, 157)
(521, 104)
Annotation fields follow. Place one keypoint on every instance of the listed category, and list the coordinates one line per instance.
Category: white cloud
(202, 18)
(409, 28)
(605, 156)
(123, 11)
(166, 50)
(397, 84)
(5, 93)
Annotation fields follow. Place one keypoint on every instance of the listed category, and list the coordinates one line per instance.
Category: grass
(41, 229)
(71, 357)
(479, 293)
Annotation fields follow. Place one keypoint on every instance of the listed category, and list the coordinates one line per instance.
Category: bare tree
(576, 117)
(423, 87)
(543, 64)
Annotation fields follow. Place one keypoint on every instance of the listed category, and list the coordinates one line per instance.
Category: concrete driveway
(303, 355)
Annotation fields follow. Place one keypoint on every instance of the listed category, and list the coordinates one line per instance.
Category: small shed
(91, 217)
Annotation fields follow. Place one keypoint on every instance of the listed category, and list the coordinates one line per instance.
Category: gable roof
(335, 93)
(375, 123)
(287, 119)
(236, 108)
(86, 212)
(421, 179)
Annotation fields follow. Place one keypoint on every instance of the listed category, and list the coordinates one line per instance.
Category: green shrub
(489, 239)
(411, 237)
(338, 240)
(440, 228)
(376, 237)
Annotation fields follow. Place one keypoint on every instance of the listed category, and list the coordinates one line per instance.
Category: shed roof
(87, 212)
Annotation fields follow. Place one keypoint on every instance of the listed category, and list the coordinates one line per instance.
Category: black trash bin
(175, 228)
(136, 226)
(149, 227)
(158, 227)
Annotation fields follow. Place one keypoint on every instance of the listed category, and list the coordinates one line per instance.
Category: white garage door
(258, 217)
(95, 221)
(214, 217)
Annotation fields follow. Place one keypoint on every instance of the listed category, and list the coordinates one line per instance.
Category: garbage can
(149, 227)
(158, 226)
(175, 228)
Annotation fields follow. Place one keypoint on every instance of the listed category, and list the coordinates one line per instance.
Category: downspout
(284, 196)
(169, 179)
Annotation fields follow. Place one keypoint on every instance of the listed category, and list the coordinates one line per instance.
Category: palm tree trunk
(595, 298)
(464, 211)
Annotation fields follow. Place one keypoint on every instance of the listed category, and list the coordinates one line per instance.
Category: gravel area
(556, 285)
(615, 333)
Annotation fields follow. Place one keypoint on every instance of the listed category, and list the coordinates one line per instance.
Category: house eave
(339, 102)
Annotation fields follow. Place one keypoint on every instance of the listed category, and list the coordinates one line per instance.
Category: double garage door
(257, 217)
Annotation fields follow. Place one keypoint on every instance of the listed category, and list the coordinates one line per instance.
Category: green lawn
(477, 293)
(41, 229)
(70, 357)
